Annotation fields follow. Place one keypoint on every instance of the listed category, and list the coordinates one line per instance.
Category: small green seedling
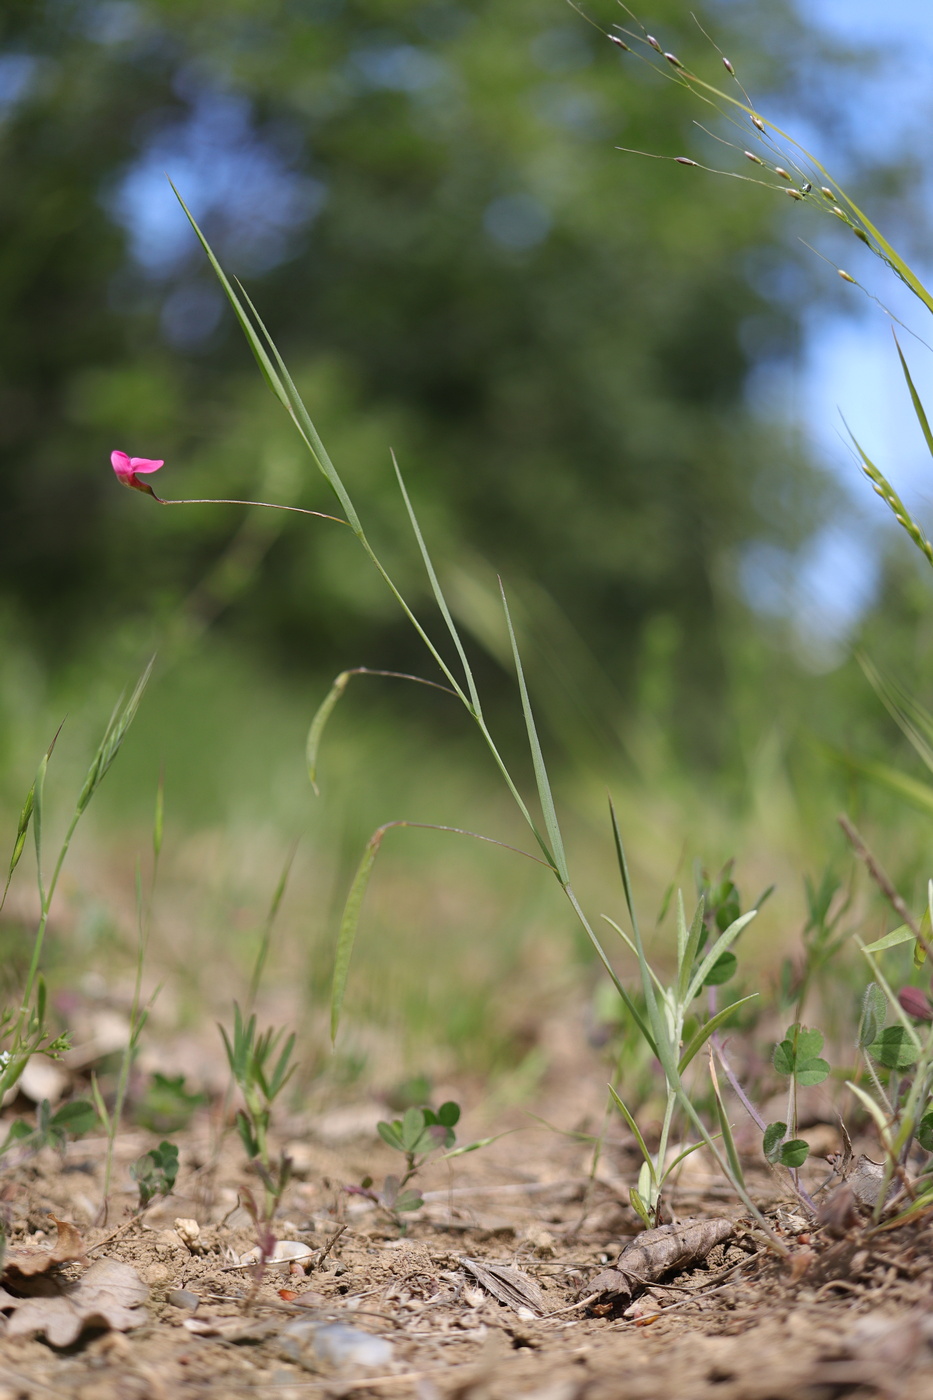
(166, 1105)
(155, 1172)
(23, 1031)
(260, 1077)
(417, 1135)
(797, 1057)
(73, 1119)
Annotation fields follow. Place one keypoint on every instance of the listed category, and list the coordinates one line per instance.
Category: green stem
(43, 924)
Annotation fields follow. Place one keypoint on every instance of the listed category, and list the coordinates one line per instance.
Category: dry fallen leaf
(651, 1255)
(511, 1286)
(24, 1263)
(109, 1295)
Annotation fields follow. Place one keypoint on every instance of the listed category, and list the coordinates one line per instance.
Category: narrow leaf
(891, 940)
(915, 399)
(636, 1132)
(438, 591)
(691, 947)
(623, 867)
(877, 1114)
(915, 790)
(726, 1128)
(475, 1146)
(158, 823)
(321, 716)
(701, 1036)
(640, 1208)
(306, 429)
(111, 743)
(666, 1051)
(558, 859)
(255, 344)
(33, 795)
(348, 926)
(719, 947)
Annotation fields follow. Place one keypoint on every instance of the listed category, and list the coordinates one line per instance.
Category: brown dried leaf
(24, 1263)
(668, 1249)
(509, 1285)
(109, 1295)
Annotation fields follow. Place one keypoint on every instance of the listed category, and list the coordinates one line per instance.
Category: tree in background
(427, 204)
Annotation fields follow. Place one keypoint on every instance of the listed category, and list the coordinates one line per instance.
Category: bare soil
(841, 1313)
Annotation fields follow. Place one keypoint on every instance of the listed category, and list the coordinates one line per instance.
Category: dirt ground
(369, 1312)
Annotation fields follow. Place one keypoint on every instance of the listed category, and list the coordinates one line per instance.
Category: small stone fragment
(182, 1298)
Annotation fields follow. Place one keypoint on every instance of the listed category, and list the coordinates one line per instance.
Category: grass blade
(636, 1133)
(302, 420)
(666, 1052)
(110, 744)
(915, 790)
(915, 400)
(438, 592)
(633, 948)
(726, 1127)
(701, 1036)
(348, 926)
(275, 374)
(255, 344)
(321, 715)
(722, 943)
(33, 796)
(691, 947)
(914, 721)
(262, 952)
(623, 870)
(545, 796)
(323, 712)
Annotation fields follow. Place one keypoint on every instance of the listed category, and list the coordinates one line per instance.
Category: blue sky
(848, 365)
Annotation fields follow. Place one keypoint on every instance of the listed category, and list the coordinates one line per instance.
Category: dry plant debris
(652, 1256)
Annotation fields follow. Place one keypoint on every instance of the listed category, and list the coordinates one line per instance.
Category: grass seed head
(728, 66)
(751, 156)
(614, 38)
(826, 192)
(653, 42)
(673, 60)
(845, 276)
(756, 121)
(794, 194)
(684, 160)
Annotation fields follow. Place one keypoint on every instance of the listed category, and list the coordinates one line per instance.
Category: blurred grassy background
(426, 203)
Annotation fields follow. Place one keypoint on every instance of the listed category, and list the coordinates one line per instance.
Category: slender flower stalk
(128, 470)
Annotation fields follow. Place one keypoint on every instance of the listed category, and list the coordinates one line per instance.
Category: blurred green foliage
(426, 201)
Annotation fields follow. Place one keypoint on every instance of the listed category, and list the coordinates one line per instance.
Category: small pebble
(182, 1298)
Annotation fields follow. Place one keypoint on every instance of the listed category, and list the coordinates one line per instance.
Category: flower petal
(121, 465)
(145, 464)
(915, 1004)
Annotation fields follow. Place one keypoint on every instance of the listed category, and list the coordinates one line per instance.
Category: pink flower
(127, 468)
